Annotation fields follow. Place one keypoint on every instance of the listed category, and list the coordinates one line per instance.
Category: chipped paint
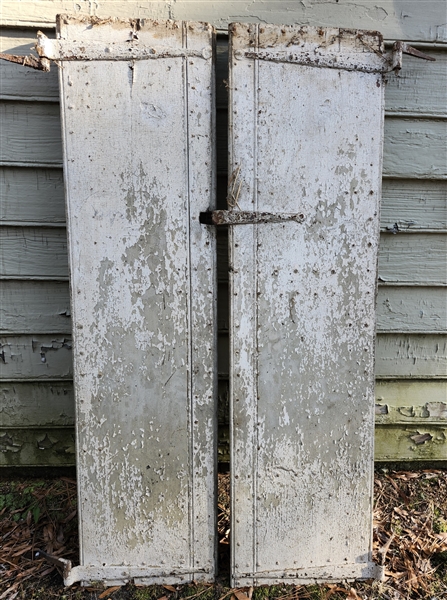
(304, 140)
(137, 134)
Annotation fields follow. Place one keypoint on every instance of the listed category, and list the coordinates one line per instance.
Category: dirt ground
(410, 540)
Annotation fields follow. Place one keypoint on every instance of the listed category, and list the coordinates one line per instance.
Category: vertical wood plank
(137, 135)
(303, 139)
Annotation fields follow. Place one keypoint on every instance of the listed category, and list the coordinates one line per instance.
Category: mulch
(410, 539)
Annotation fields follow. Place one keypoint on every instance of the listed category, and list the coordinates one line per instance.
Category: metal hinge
(242, 217)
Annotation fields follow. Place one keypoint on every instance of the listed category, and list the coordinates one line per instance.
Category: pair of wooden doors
(305, 145)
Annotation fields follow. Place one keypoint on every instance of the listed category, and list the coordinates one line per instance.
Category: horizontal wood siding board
(423, 21)
(37, 447)
(30, 132)
(398, 355)
(22, 83)
(32, 195)
(414, 204)
(420, 86)
(35, 307)
(411, 356)
(418, 258)
(37, 404)
(405, 443)
(30, 251)
(416, 310)
(35, 357)
(414, 402)
(415, 148)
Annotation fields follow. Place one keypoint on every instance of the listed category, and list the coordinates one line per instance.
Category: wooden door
(306, 129)
(137, 112)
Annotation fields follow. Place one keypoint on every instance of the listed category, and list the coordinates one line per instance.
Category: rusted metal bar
(240, 217)
(41, 64)
(63, 563)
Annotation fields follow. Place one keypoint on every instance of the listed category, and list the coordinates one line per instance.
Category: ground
(410, 540)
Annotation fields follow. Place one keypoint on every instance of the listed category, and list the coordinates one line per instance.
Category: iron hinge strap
(241, 217)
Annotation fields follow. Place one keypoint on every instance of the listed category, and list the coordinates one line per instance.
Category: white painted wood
(138, 139)
(423, 21)
(303, 140)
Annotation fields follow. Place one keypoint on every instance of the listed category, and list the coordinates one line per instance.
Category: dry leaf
(353, 595)
(109, 591)
(170, 588)
(240, 595)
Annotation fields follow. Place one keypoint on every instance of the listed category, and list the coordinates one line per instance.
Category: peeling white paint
(143, 303)
(302, 305)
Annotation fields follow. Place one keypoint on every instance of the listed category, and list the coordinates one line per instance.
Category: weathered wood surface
(32, 195)
(424, 21)
(36, 404)
(35, 357)
(30, 133)
(17, 82)
(305, 140)
(139, 156)
(411, 443)
(413, 258)
(420, 87)
(416, 402)
(414, 204)
(34, 307)
(416, 309)
(33, 252)
(411, 356)
(23, 447)
(415, 148)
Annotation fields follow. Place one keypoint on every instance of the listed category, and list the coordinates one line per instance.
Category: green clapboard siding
(34, 307)
(33, 195)
(418, 258)
(407, 443)
(35, 357)
(412, 309)
(414, 204)
(20, 83)
(411, 356)
(33, 251)
(419, 87)
(31, 133)
(37, 447)
(415, 148)
(36, 404)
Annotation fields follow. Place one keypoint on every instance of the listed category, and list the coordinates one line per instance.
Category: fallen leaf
(109, 591)
(240, 595)
(170, 588)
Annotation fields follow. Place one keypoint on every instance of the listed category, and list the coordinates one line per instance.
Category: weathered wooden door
(306, 121)
(137, 110)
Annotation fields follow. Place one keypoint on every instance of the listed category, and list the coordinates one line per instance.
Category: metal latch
(242, 217)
